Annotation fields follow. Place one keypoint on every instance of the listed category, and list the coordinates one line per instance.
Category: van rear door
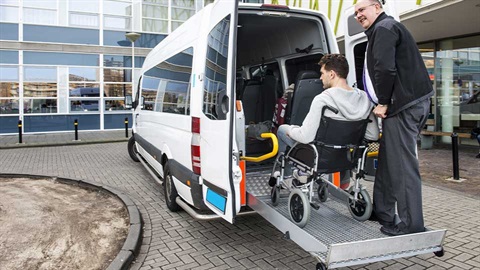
(216, 124)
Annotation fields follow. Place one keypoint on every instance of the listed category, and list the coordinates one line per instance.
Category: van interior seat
(240, 87)
(307, 86)
(251, 100)
(269, 95)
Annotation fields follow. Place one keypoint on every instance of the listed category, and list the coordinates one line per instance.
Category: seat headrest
(307, 74)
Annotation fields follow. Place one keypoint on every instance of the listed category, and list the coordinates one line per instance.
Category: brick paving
(176, 241)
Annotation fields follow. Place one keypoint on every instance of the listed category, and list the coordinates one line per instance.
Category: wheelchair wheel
(322, 192)
(362, 208)
(275, 195)
(298, 207)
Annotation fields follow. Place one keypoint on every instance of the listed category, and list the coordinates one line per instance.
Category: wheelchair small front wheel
(298, 208)
(275, 195)
(362, 208)
(322, 192)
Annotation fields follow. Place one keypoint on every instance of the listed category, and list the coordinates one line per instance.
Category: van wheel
(170, 191)
(132, 149)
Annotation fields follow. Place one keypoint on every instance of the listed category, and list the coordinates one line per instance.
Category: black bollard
(75, 124)
(19, 131)
(126, 127)
(456, 170)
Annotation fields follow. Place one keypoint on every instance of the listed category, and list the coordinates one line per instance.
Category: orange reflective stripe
(243, 193)
(336, 179)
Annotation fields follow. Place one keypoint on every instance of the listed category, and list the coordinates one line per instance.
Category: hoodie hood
(352, 104)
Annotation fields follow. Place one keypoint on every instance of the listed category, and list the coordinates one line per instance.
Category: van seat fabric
(269, 96)
(251, 100)
(307, 86)
(240, 85)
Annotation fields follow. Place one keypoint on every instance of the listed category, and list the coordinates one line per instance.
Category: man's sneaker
(300, 176)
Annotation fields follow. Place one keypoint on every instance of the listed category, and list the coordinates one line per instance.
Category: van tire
(169, 190)
(132, 149)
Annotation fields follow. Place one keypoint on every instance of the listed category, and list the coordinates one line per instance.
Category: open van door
(216, 160)
(356, 42)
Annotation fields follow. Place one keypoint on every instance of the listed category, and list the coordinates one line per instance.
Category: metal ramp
(332, 236)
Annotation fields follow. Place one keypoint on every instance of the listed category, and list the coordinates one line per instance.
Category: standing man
(402, 91)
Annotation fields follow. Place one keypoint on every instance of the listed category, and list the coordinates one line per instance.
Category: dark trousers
(398, 177)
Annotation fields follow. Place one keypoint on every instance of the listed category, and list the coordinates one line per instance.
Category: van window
(215, 84)
(166, 87)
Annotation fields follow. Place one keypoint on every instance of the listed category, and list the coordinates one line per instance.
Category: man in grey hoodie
(352, 104)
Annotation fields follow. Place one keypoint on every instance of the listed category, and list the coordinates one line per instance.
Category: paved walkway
(176, 241)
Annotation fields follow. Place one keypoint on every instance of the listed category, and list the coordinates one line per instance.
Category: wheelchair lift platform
(333, 236)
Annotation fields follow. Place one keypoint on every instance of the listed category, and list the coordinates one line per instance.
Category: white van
(189, 128)
(212, 78)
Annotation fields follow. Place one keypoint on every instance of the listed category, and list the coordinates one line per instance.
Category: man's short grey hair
(380, 2)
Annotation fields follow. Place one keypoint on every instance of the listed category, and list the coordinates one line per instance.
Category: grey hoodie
(352, 105)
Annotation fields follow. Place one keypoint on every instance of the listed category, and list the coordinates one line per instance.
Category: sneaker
(302, 177)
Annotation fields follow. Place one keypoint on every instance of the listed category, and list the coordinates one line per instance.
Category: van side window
(215, 84)
(166, 87)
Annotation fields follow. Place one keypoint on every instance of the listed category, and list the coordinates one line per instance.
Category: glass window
(91, 6)
(84, 90)
(40, 74)
(60, 34)
(40, 105)
(40, 89)
(117, 22)
(8, 14)
(122, 61)
(457, 82)
(8, 73)
(160, 2)
(81, 19)
(117, 8)
(82, 74)
(117, 90)
(215, 71)
(114, 105)
(9, 89)
(8, 31)
(150, 25)
(9, 2)
(8, 57)
(49, 58)
(51, 4)
(159, 12)
(84, 105)
(148, 40)
(9, 106)
(115, 38)
(166, 87)
(182, 14)
(117, 75)
(39, 16)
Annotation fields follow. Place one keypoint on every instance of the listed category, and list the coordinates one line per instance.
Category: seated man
(352, 104)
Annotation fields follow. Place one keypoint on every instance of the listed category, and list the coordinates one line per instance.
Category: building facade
(62, 60)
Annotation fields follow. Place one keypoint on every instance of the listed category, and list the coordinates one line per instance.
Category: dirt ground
(436, 165)
(50, 225)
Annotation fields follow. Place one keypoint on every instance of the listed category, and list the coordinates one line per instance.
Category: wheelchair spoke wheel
(299, 208)
(362, 208)
(275, 195)
(322, 192)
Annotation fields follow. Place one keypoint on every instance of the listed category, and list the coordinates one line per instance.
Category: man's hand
(380, 111)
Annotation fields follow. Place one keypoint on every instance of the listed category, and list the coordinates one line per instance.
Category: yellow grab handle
(268, 155)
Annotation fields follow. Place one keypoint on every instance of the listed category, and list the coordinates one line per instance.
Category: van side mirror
(128, 102)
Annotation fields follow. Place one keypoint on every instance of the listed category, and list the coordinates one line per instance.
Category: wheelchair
(338, 146)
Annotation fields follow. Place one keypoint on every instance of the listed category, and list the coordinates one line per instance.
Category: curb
(25, 145)
(132, 243)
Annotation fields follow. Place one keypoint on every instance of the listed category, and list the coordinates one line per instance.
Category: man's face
(325, 76)
(366, 12)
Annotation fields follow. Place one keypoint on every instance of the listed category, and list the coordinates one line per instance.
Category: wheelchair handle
(335, 111)
(268, 155)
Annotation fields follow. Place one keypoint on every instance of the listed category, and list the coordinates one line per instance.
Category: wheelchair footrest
(315, 206)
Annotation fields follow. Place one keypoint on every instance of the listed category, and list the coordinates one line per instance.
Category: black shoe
(395, 230)
(392, 231)
(374, 217)
(478, 156)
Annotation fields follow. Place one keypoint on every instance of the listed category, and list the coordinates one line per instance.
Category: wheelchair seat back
(334, 141)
